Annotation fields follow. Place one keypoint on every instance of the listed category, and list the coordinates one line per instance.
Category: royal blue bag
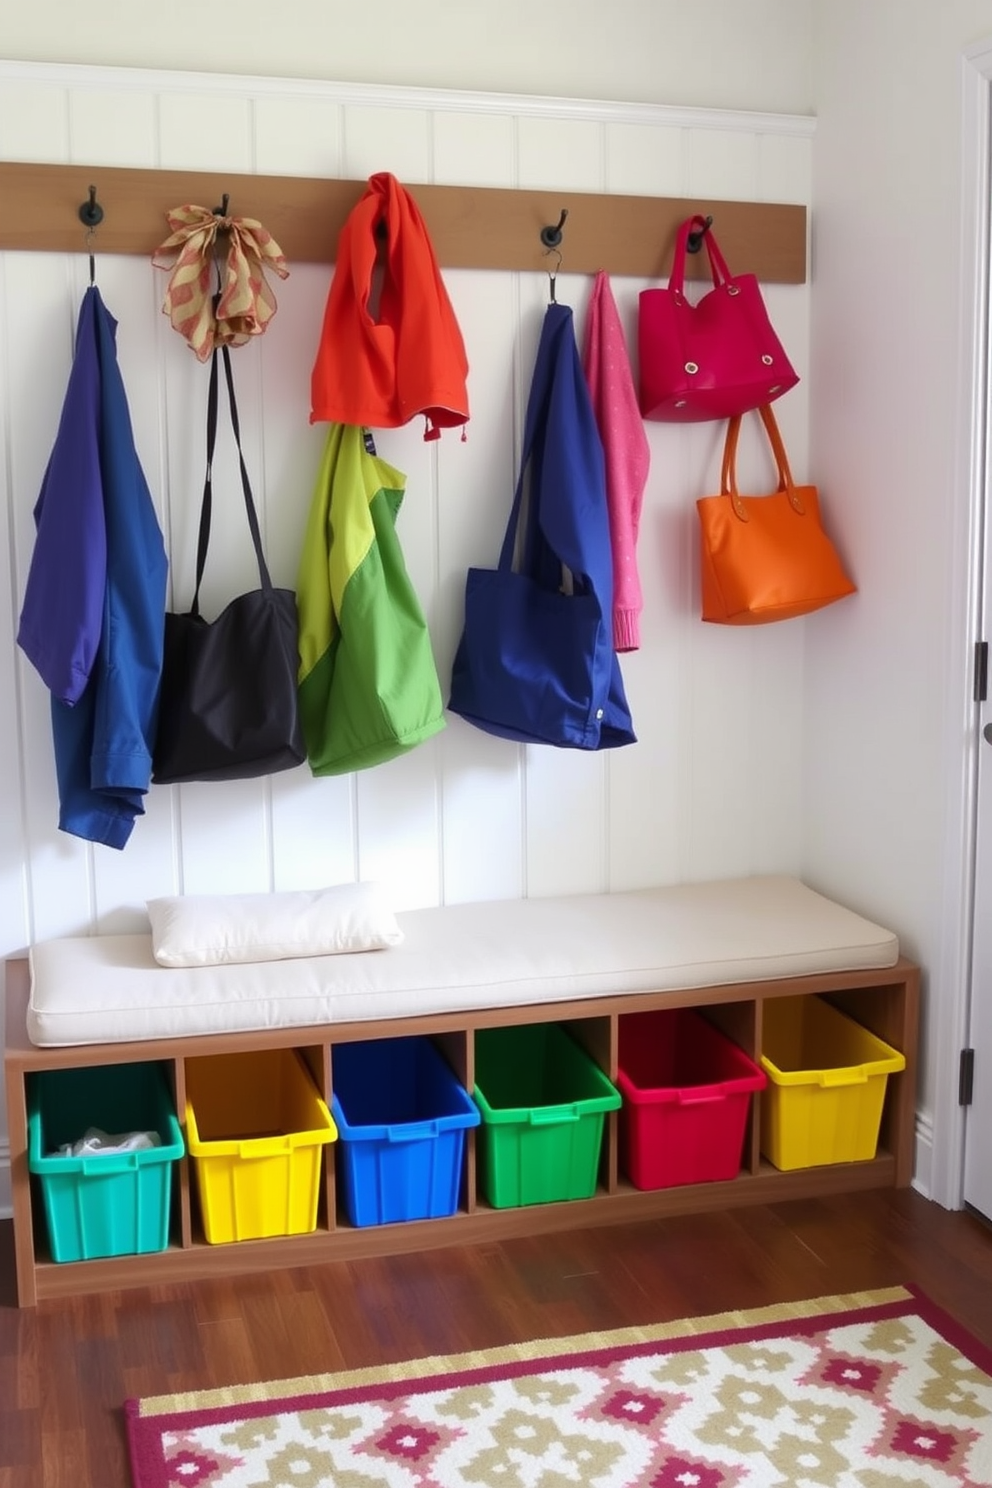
(536, 661)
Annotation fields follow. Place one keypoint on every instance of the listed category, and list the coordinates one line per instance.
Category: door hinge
(981, 671)
(966, 1077)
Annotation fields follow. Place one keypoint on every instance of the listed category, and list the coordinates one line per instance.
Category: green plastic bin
(542, 1100)
(107, 1204)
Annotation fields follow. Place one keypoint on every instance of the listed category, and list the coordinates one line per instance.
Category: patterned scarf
(240, 246)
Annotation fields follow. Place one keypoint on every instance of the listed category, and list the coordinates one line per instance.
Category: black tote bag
(228, 703)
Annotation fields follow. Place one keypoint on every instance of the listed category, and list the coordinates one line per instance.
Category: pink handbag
(714, 359)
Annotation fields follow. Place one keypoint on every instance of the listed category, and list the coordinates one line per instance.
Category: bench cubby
(884, 1001)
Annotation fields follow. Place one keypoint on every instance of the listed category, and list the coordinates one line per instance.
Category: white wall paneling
(713, 785)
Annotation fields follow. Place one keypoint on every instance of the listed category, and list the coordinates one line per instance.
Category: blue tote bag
(536, 661)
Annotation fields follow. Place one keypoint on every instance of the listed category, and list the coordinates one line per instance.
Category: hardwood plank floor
(67, 1366)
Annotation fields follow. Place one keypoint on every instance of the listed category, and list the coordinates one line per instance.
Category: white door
(978, 1115)
(976, 1094)
(976, 1022)
(977, 1077)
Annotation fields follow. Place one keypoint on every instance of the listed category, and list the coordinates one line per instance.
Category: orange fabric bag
(765, 558)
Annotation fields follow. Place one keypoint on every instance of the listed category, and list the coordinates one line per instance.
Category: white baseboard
(923, 1158)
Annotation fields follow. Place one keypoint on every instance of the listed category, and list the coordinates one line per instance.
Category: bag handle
(537, 405)
(728, 475)
(718, 264)
(206, 505)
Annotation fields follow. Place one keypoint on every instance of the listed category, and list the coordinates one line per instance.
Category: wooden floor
(66, 1367)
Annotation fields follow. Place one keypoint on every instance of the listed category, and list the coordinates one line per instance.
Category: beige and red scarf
(240, 248)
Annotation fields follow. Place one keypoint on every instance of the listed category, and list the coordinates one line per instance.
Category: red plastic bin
(686, 1092)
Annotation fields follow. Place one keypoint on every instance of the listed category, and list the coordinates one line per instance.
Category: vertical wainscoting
(713, 786)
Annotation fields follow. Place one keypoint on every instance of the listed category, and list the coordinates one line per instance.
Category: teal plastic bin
(542, 1100)
(105, 1204)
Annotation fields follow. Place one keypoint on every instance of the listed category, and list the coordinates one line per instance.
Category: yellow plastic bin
(255, 1129)
(826, 1084)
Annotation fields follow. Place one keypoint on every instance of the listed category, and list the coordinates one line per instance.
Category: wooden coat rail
(471, 227)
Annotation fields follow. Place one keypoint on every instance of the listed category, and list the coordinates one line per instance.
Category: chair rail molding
(387, 95)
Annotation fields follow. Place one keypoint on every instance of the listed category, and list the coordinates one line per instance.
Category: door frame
(940, 1170)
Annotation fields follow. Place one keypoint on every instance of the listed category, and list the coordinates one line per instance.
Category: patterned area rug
(871, 1390)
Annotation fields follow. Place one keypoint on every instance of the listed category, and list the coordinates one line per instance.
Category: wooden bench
(883, 998)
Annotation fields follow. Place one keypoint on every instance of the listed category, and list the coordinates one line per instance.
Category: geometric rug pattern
(870, 1390)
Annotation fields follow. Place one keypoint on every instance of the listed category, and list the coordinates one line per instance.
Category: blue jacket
(93, 617)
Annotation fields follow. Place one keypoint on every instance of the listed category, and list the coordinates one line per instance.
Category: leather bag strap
(718, 265)
(206, 505)
(728, 474)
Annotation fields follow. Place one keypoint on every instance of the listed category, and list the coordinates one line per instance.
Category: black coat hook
(221, 211)
(91, 212)
(552, 236)
(91, 215)
(694, 241)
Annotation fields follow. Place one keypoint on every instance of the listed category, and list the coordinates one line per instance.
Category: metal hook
(221, 243)
(91, 212)
(552, 236)
(694, 241)
(552, 273)
(91, 215)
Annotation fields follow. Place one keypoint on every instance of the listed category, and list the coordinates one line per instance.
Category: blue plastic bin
(108, 1204)
(401, 1117)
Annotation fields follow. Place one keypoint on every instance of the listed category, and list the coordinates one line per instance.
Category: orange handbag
(765, 558)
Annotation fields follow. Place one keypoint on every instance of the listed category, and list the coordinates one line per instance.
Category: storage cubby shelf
(885, 1002)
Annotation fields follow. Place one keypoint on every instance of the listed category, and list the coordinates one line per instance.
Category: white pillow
(217, 929)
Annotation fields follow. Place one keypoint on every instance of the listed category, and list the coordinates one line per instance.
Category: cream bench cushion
(454, 958)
